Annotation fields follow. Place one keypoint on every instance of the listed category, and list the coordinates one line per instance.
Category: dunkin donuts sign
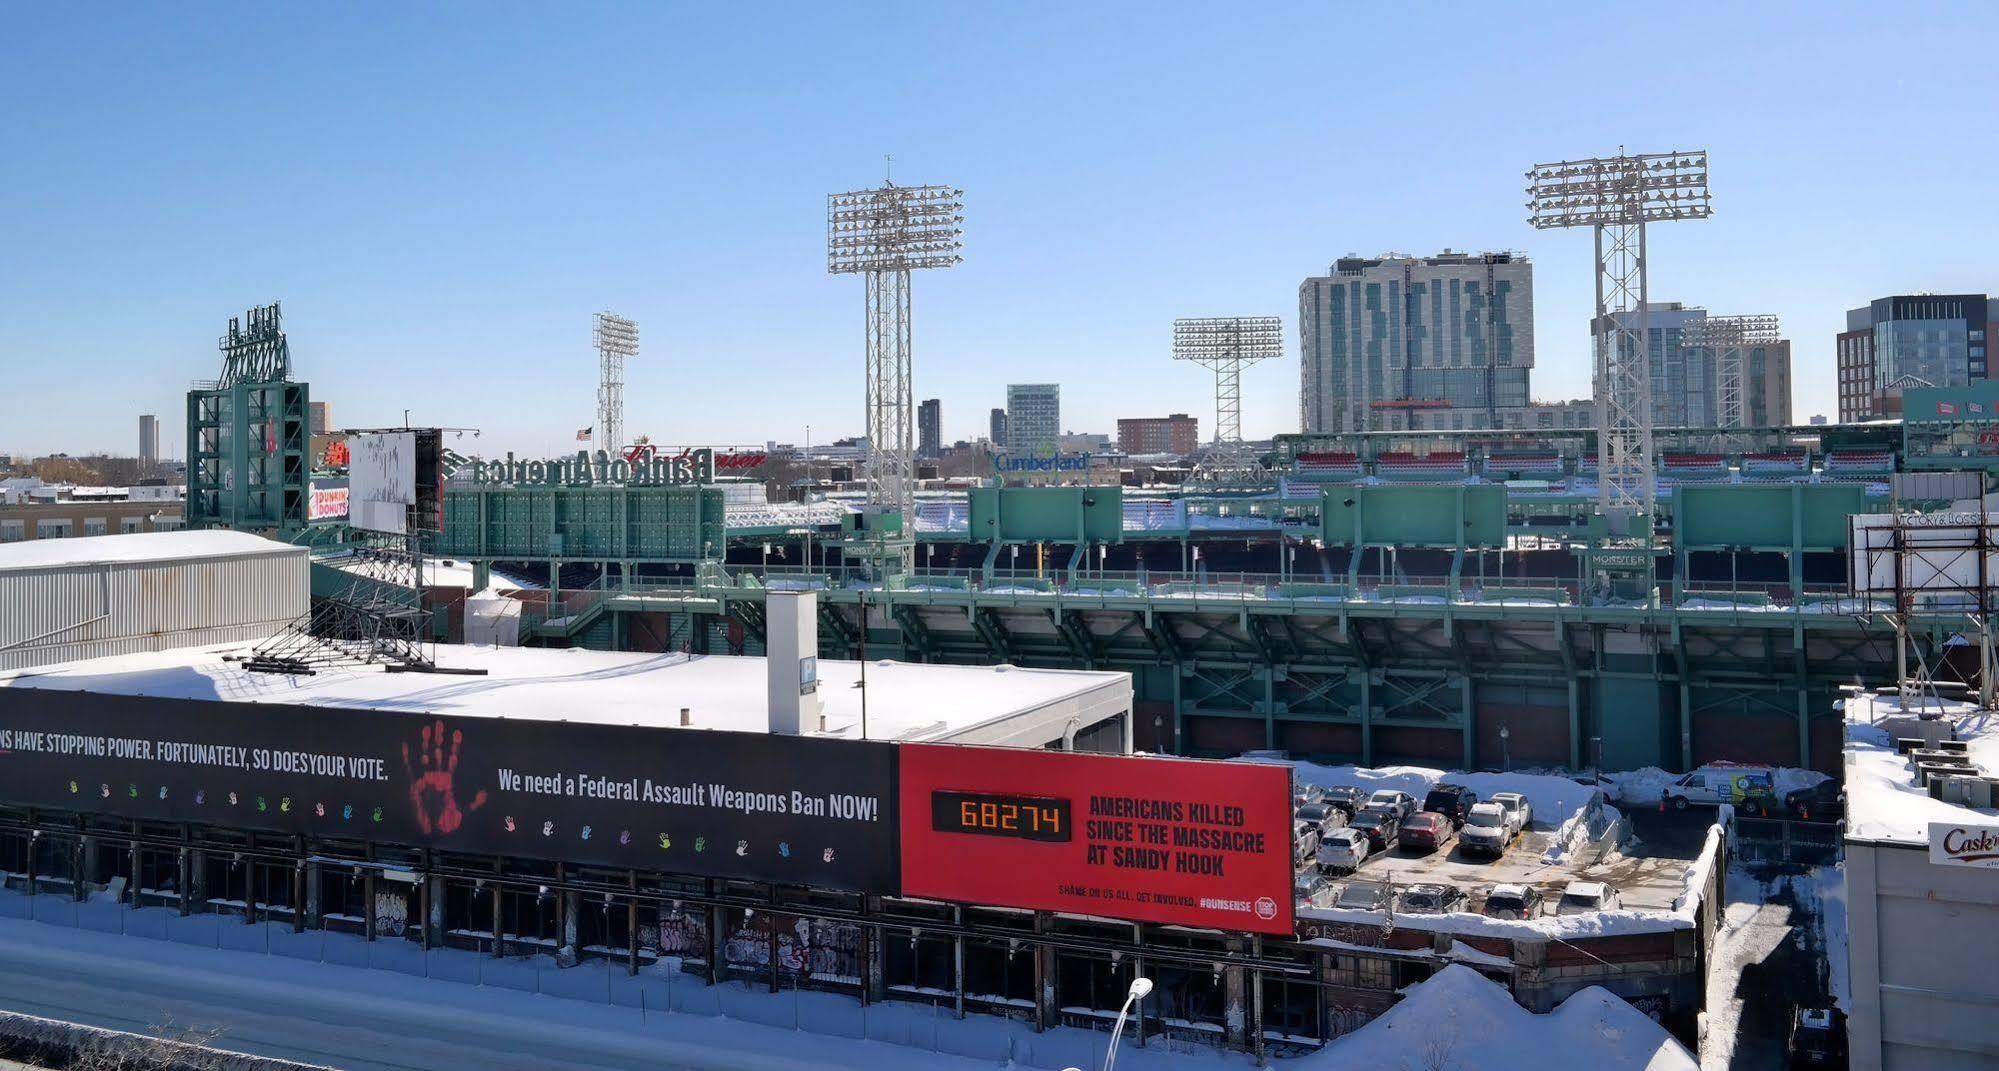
(1957, 845)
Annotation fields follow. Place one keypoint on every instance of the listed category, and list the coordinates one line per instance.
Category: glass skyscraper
(1033, 416)
(1913, 340)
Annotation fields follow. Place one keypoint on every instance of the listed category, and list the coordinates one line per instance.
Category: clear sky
(443, 195)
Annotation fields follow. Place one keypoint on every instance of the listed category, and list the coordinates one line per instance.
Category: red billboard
(1184, 841)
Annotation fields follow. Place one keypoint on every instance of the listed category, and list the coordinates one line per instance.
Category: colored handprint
(701, 844)
(319, 810)
(624, 837)
(510, 823)
(347, 813)
(262, 806)
(784, 849)
(548, 829)
(433, 781)
(826, 856)
(665, 843)
(586, 832)
(375, 815)
(72, 788)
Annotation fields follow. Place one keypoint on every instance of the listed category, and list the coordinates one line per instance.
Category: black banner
(749, 806)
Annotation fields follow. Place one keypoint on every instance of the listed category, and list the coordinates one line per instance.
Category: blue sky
(443, 195)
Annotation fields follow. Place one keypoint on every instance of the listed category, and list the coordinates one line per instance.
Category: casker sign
(1186, 841)
(1957, 845)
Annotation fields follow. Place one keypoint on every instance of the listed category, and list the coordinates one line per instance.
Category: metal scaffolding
(1616, 196)
(884, 234)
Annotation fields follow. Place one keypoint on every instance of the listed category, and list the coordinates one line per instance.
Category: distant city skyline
(442, 203)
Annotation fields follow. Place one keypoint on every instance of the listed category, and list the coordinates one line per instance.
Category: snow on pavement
(1462, 1021)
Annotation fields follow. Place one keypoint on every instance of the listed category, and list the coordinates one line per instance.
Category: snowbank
(1460, 1020)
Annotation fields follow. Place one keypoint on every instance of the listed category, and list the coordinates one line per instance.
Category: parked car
(1719, 783)
(1521, 807)
(1489, 828)
(1402, 803)
(1452, 801)
(1584, 897)
(1818, 1038)
(1513, 902)
(1304, 792)
(1427, 829)
(1321, 816)
(1382, 828)
(1430, 898)
(1823, 802)
(1365, 896)
(1304, 844)
(1343, 850)
(1344, 798)
(1312, 888)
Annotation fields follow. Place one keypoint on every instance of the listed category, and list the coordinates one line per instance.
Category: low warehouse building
(89, 597)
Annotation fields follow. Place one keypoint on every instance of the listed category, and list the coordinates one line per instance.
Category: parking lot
(1647, 870)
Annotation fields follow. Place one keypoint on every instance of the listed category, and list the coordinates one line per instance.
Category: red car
(1427, 829)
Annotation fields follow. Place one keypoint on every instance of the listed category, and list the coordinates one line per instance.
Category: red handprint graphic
(433, 782)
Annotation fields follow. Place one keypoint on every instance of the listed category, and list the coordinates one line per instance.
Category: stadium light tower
(1617, 196)
(1228, 344)
(885, 233)
(1729, 337)
(617, 339)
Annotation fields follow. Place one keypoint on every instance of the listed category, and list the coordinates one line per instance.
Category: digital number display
(997, 815)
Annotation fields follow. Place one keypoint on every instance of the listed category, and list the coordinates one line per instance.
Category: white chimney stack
(791, 660)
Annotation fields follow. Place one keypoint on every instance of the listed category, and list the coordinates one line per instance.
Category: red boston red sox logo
(433, 781)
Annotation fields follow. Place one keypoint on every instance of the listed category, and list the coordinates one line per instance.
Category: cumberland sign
(641, 466)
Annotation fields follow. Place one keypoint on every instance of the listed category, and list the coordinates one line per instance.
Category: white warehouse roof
(1001, 705)
(138, 547)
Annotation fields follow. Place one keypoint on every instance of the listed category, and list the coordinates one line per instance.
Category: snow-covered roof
(1883, 801)
(136, 547)
(965, 704)
(1462, 1020)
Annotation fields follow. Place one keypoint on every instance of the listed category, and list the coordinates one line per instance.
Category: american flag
(583, 434)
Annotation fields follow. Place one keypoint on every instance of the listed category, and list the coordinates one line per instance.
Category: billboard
(381, 474)
(1961, 845)
(327, 500)
(1183, 841)
(748, 806)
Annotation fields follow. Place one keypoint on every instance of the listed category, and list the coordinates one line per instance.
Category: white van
(1718, 783)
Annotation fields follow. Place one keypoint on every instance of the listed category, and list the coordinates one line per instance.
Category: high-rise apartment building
(1177, 434)
(930, 428)
(1033, 416)
(1395, 341)
(1911, 340)
(149, 440)
(1686, 379)
(998, 429)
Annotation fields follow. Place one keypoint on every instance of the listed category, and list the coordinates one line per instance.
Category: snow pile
(1693, 881)
(1461, 1021)
(1556, 799)
(1581, 829)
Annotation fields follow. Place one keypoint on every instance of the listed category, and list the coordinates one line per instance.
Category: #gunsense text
(714, 794)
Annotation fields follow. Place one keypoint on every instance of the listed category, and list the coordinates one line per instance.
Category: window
(52, 529)
(95, 526)
(13, 531)
(128, 525)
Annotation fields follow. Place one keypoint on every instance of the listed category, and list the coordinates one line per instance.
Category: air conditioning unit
(1968, 791)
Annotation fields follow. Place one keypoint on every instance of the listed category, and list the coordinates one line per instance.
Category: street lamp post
(1139, 988)
(1505, 752)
